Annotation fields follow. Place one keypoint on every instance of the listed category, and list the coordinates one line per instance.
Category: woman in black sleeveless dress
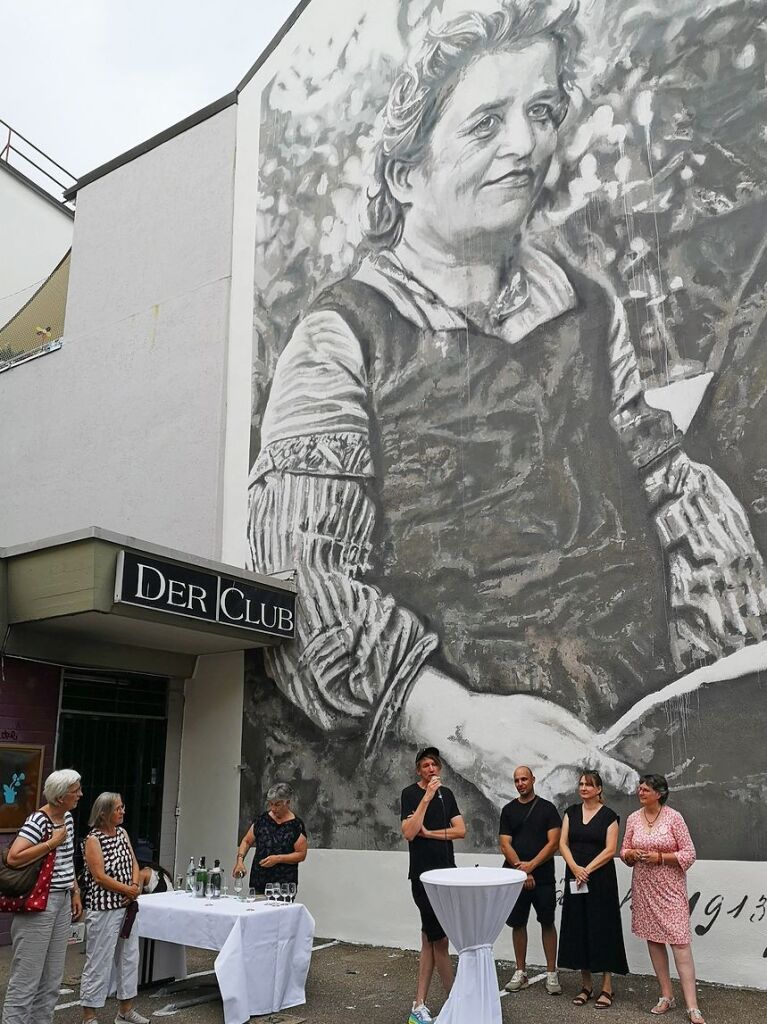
(591, 936)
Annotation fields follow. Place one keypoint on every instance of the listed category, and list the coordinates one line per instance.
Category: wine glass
(238, 886)
(292, 890)
(251, 897)
(269, 892)
(285, 892)
(208, 891)
(224, 889)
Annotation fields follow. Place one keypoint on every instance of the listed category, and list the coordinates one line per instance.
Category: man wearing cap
(430, 822)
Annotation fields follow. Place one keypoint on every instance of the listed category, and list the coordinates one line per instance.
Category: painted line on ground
(326, 945)
(531, 981)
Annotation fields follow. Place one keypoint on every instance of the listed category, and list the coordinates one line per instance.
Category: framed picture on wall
(21, 770)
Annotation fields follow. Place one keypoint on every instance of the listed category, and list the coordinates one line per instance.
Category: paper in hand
(578, 890)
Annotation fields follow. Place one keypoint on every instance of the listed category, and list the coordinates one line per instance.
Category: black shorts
(542, 897)
(430, 926)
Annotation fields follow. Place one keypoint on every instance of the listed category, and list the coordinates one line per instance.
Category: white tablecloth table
(264, 951)
(472, 905)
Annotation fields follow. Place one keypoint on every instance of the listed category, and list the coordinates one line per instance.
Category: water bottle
(190, 876)
(201, 878)
(215, 880)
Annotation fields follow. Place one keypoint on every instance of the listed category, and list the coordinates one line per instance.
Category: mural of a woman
(457, 456)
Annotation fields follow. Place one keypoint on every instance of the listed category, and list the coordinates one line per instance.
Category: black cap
(427, 752)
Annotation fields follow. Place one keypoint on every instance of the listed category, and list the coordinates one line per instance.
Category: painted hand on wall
(485, 736)
(717, 582)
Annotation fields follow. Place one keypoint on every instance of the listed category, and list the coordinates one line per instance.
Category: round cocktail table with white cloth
(472, 905)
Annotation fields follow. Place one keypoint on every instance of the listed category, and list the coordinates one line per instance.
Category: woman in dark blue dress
(591, 935)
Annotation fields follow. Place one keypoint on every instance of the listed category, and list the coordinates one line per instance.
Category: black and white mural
(509, 405)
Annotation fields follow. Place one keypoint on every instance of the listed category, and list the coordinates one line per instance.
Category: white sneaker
(420, 1015)
(131, 1017)
(517, 981)
(552, 984)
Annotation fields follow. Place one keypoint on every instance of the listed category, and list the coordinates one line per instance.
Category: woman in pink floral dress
(657, 845)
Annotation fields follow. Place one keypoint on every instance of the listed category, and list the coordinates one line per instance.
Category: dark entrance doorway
(112, 730)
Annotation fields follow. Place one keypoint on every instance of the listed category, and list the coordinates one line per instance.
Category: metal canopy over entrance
(100, 600)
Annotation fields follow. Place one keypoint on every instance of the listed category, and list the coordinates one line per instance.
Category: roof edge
(147, 547)
(278, 37)
(193, 119)
(156, 140)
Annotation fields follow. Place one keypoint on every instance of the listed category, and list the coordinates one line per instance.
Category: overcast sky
(87, 79)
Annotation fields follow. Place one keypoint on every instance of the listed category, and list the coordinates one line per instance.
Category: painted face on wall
(490, 150)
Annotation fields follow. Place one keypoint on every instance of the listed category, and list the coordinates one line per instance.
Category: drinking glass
(224, 889)
(269, 892)
(292, 890)
(208, 894)
(238, 887)
(285, 892)
(181, 884)
(251, 897)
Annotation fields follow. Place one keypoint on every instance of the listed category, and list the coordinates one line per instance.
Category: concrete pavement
(375, 985)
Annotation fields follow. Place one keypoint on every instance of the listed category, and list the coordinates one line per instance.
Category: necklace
(651, 824)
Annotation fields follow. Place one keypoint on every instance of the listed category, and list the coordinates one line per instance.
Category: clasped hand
(581, 875)
(631, 857)
(133, 895)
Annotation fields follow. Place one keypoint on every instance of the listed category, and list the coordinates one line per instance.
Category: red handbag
(37, 900)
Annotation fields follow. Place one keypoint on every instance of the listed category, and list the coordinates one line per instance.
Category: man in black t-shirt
(529, 837)
(430, 822)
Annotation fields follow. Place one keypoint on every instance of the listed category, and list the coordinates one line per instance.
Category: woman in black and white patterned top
(40, 939)
(111, 884)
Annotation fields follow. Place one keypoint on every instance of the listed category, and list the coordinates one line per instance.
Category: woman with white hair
(111, 884)
(40, 939)
(280, 840)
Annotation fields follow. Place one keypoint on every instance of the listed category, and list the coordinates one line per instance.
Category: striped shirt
(118, 864)
(37, 829)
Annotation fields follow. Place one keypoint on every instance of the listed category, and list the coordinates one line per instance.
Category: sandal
(599, 1005)
(664, 1004)
(696, 1017)
(583, 997)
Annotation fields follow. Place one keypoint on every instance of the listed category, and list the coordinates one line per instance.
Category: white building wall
(172, 774)
(123, 428)
(35, 234)
(209, 793)
(374, 905)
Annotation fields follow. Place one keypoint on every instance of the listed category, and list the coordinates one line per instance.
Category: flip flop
(604, 1006)
(583, 997)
